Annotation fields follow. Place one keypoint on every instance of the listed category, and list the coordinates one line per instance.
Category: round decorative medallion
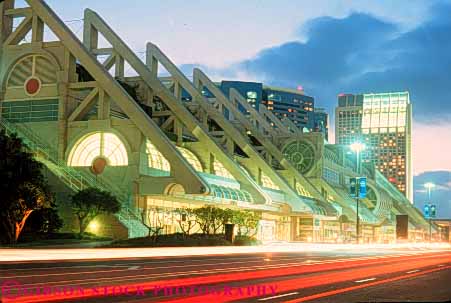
(98, 165)
(32, 86)
(301, 154)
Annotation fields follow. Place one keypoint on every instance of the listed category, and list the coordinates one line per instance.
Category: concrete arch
(79, 139)
(22, 56)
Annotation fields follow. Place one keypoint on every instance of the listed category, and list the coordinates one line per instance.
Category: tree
(45, 220)
(91, 202)
(221, 217)
(152, 219)
(247, 221)
(23, 188)
(204, 217)
(186, 220)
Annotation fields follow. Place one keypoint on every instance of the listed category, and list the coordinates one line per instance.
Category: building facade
(384, 123)
(291, 104)
(166, 145)
(286, 104)
(321, 122)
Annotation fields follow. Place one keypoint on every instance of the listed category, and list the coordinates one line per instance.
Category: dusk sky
(328, 47)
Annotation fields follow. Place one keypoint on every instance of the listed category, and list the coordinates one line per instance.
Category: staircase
(76, 179)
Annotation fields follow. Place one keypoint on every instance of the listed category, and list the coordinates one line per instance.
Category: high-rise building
(292, 104)
(383, 122)
(321, 122)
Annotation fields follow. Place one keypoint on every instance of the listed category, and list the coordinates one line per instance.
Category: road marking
(134, 267)
(440, 265)
(365, 280)
(279, 296)
(412, 271)
(361, 286)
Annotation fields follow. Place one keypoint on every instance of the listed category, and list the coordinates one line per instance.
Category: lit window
(155, 158)
(268, 183)
(103, 145)
(191, 158)
(251, 95)
(220, 170)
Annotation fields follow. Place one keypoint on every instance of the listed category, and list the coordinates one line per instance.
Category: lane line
(288, 285)
(279, 296)
(356, 287)
(412, 271)
(213, 270)
(87, 281)
(365, 280)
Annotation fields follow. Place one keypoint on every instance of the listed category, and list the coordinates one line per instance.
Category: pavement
(277, 272)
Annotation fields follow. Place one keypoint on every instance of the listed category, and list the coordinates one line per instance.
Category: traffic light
(353, 187)
(426, 210)
(362, 187)
(433, 210)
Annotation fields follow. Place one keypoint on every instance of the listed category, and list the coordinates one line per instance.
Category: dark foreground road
(327, 276)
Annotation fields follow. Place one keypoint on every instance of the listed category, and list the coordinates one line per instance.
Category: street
(321, 275)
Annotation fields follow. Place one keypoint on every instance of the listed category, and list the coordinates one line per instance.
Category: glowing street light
(358, 147)
(429, 186)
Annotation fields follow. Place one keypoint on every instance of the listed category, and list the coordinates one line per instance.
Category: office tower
(383, 122)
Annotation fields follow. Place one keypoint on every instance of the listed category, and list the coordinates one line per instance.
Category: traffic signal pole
(357, 220)
(430, 230)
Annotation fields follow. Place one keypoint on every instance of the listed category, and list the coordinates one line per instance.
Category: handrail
(75, 179)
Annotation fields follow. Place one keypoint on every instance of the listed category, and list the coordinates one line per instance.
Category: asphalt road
(329, 276)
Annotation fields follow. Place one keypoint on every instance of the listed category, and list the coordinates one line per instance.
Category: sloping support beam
(291, 126)
(237, 98)
(185, 174)
(155, 53)
(85, 106)
(21, 31)
(267, 114)
(109, 62)
(273, 152)
(6, 24)
(149, 76)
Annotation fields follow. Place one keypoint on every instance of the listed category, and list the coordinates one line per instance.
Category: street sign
(362, 187)
(353, 187)
(426, 210)
(433, 210)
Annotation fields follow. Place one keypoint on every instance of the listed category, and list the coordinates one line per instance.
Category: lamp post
(429, 186)
(357, 147)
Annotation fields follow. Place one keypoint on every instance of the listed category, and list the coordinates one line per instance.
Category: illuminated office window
(100, 144)
(155, 158)
(191, 158)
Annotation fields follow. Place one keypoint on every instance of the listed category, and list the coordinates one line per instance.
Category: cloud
(361, 53)
(431, 144)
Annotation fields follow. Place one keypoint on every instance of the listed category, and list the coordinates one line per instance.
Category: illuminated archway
(98, 145)
(191, 158)
(155, 158)
(220, 170)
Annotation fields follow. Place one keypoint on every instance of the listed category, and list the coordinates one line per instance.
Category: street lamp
(429, 186)
(357, 147)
